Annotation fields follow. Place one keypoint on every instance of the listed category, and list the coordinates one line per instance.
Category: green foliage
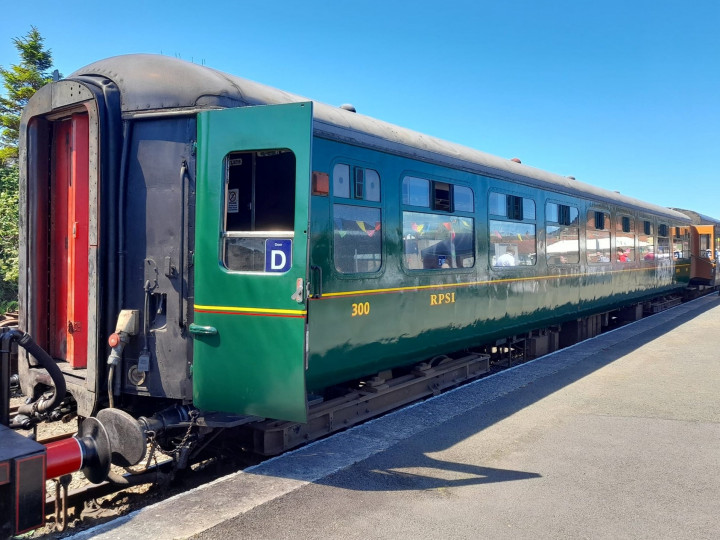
(8, 237)
(21, 81)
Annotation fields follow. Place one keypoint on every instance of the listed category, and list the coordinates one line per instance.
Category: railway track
(86, 505)
(9, 319)
(74, 503)
(84, 500)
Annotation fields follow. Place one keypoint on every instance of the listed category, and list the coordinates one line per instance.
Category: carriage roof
(159, 84)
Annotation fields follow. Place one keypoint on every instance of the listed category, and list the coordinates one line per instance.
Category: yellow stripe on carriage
(252, 310)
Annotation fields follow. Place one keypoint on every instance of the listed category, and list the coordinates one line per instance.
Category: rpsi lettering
(443, 298)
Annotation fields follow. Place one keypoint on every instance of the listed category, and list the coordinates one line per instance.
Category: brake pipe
(41, 405)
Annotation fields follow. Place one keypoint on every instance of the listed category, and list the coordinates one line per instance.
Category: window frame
(515, 210)
(252, 235)
(409, 208)
(353, 200)
(663, 241)
(644, 253)
(602, 222)
(626, 227)
(563, 223)
(681, 239)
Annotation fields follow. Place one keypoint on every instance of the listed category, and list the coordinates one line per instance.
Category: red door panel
(69, 213)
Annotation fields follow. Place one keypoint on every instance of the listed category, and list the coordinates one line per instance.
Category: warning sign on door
(233, 205)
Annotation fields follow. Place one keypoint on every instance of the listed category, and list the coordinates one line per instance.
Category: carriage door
(69, 222)
(251, 260)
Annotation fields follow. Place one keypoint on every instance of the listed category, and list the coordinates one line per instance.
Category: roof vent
(348, 107)
(572, 178)
(516, 160)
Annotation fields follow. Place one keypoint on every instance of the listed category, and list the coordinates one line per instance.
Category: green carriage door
(251, 260)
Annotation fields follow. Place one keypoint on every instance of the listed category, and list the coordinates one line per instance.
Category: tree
(8, 238)
(21, 81)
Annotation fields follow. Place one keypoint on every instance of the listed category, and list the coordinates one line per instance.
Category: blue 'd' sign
(278, 255)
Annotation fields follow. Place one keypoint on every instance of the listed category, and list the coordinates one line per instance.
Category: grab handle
(198, 330)
(316, 277)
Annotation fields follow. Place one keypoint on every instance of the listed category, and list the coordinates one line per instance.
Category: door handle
(299, 294)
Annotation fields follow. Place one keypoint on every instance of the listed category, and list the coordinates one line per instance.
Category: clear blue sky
(623, 94)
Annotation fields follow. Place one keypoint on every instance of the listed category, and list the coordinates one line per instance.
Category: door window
(259, 218)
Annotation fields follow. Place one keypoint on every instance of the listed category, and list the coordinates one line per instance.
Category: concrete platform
(617, 437)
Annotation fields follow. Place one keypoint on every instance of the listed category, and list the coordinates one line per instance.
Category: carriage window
(626, 224)
(598, 237)
(625, 239)
(357, 230)
(259, 210)
(364, 184)
(681, 242)
(416, 191)
(497, 204)
(561, 214)
(436, 195)
(646, 243)
(663, 242)
(512, 243)
(463, 197)
(528, 209)
(443, 197)
(705, 243)
(357, 246)
(514, 208)
(341, 181)
(563, 238)
(359, 183)
(511, 206)
(372, 186)
(435, 241)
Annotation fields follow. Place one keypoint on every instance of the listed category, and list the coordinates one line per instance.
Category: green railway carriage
(253, 248)
(394, 253)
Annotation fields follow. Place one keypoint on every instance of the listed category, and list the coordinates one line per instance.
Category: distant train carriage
(702, 241)
(202, 249)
